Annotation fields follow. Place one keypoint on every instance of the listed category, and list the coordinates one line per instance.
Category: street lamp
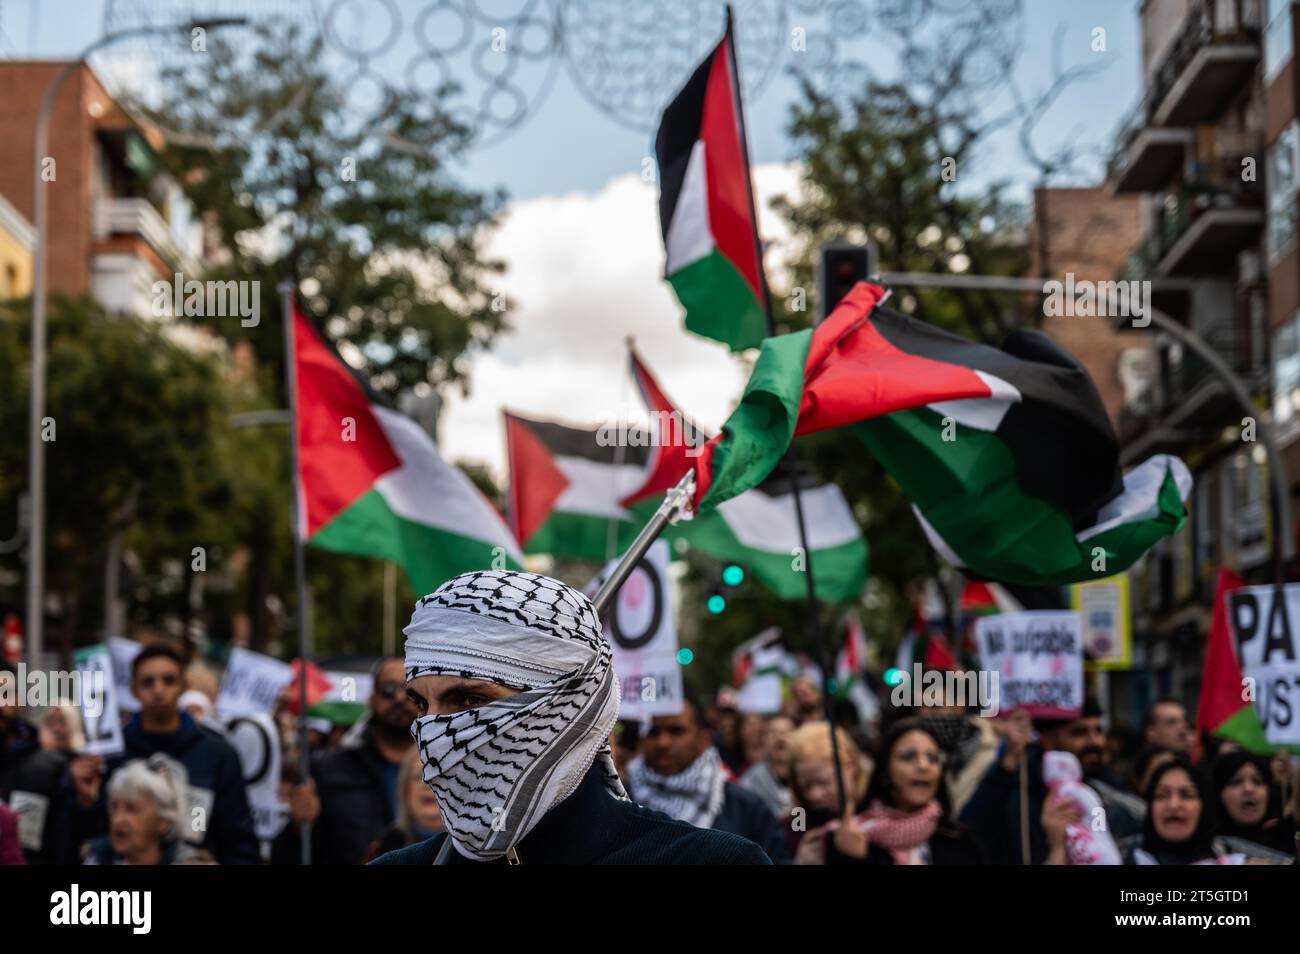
(36, 446)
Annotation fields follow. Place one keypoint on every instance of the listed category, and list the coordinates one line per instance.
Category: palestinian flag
(758, 529)
(372, 481)
(567, 487)
(1222, 712)
(1007, 454)
(706, 206)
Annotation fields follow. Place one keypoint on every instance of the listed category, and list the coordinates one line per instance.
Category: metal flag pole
(675, 503)
(825, 659)
(287, 309)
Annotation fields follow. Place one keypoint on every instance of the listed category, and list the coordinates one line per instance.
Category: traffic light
(717, 603)
(733, 575)
(894, 676)
(842, 266)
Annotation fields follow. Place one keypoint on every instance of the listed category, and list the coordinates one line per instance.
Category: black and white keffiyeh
(694, 795)
(497, 769)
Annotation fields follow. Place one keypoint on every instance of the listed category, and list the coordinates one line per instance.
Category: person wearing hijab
(515, 695)
(1249, 809)
(1178, 826)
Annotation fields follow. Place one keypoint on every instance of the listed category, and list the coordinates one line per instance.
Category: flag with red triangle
(1225, 709)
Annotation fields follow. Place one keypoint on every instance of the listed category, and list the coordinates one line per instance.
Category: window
(1277, 37)
(1283, 178)
(1286, 376)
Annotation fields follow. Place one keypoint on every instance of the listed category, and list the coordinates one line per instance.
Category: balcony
(1146, 157)
(1215, 53)
(138, 219)
(1201, 234)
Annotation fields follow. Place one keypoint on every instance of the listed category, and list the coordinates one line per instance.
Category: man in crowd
(30, 776)
(217, 817)
(681, 774)
(769, 778)
(516, 696)
(1166, 727)
(351, 798)
(993, 812)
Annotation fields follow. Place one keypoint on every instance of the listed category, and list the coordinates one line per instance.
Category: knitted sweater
(593, 827)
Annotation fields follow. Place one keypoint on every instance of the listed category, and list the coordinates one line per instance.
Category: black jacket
(355, 809)
(591, 827)
(993, 812)
(37, 773)
(214, 775)
(747, 815)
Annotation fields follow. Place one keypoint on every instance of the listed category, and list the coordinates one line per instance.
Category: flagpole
(675, 503)
(287, 290)
(814, 619)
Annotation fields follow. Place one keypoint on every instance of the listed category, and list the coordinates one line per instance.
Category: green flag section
(373, 483)
(1007, 454)
(706, 206)
(760, 527)
(1225, 710)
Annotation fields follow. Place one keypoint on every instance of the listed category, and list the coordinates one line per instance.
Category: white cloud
(585, 270)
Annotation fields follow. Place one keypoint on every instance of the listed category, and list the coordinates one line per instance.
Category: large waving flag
(706, 206)
(1006, 454)
(758, 528)
(373, 483)
(1223, 711)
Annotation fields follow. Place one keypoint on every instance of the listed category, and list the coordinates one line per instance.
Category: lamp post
(36, 446)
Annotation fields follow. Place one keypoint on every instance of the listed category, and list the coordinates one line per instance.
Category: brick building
(115, 224)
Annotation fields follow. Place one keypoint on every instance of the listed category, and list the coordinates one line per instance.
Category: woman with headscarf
(516, 695)
(1249, 808)
(1178, 826)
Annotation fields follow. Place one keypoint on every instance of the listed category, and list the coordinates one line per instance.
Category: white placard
(124, 652)
(1038, 656)
(99, 710)
(643, 633)
(1264, 631)
(255, 738)
(252, 684)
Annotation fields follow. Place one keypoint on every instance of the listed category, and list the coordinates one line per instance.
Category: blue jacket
(214, 770)
(591, 827)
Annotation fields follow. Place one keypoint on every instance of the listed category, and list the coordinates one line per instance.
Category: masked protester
(515, 695)
(969, 744)
(1248, 808)
(1178, 823)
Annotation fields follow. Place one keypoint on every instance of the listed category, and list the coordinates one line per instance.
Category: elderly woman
(146, 802)
(815, 794)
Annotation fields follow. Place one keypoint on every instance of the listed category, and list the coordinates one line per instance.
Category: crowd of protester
(937, 785)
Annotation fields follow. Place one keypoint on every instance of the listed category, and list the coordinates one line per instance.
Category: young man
(217, 816)
(515, 694)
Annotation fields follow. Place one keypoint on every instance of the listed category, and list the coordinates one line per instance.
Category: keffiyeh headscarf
(497, 769)
(694, 795)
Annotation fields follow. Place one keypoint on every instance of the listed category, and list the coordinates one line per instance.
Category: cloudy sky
(580, 236)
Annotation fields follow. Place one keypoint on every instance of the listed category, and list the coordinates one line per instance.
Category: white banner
(255, 738)
(252, 684)
(643, 632)
(99, 710)
(1038, 656)
(124, 652)
(1264, 631)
